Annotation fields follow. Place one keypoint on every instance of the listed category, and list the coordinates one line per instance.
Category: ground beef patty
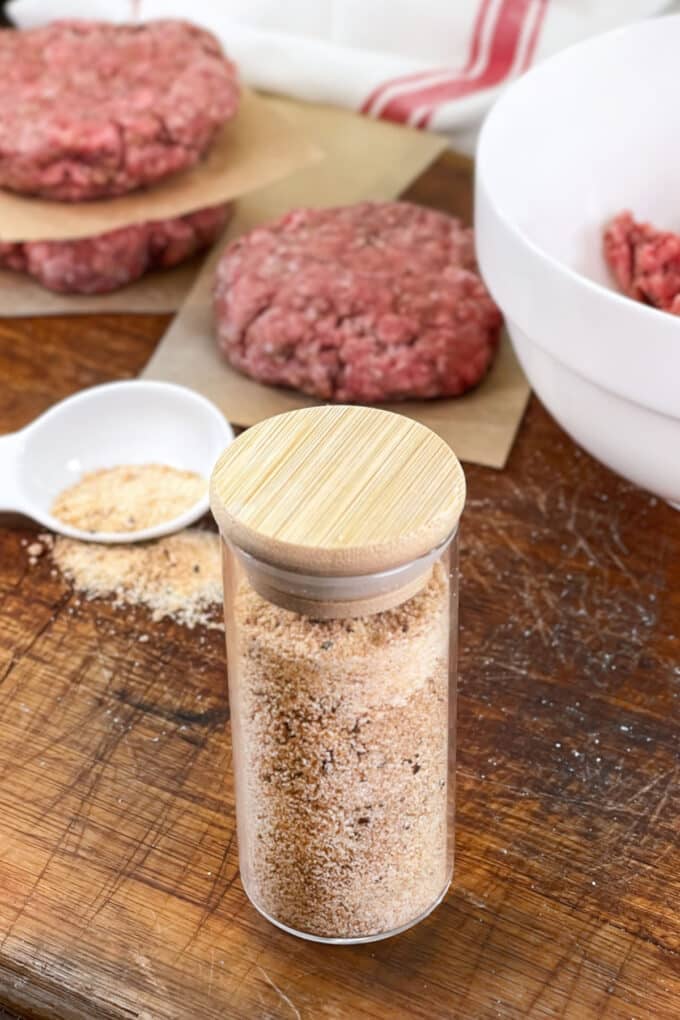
(90, 109)
(366, 303)
(645, 261)
(97, 265)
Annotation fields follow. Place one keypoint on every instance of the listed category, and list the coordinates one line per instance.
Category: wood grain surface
(119, 888)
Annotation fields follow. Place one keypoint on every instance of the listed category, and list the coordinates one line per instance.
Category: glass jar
(341, 657)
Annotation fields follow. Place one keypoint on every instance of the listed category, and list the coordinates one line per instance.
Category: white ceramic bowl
(584, 135)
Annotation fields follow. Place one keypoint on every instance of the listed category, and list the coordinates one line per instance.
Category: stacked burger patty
(91, 110)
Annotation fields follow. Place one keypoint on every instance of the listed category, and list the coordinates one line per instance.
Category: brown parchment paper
(364, 159)
(257, 147)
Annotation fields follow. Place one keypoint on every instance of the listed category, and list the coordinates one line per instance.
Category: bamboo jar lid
(337, 490)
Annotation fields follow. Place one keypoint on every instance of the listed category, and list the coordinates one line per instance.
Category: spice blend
(341, 727)
(177, 576)
(128, 497)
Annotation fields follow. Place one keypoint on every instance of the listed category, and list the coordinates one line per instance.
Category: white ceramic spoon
(134, 422)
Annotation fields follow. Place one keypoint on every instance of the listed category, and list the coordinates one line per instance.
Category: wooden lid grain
(337, 490)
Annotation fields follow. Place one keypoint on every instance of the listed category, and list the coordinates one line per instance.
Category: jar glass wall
(343, 734)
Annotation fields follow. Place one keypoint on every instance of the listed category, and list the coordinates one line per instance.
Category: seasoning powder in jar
(339, 528)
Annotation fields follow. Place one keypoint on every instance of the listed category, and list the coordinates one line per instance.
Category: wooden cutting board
(119, 890)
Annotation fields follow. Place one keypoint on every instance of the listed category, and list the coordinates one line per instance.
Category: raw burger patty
(89, 109)
(645, 261)
(365, 303)
(97, 265)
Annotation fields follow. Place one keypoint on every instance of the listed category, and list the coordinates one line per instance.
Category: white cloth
(429, 63)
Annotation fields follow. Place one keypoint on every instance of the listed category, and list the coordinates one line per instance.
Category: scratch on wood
(630, 948)
(282, 995)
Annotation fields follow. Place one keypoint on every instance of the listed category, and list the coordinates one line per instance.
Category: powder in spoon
(128, 497)
(178, 576)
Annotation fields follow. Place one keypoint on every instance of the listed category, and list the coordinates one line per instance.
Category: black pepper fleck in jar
(339, 528)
